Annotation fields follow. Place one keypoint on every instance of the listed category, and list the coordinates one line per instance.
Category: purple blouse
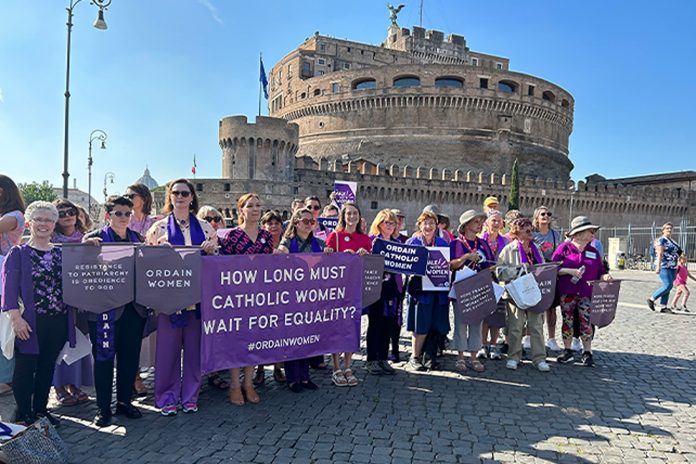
(569, 256)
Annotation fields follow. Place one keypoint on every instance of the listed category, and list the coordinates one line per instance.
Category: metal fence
(640, 239)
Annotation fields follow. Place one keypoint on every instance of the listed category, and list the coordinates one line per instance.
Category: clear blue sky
(164, 73)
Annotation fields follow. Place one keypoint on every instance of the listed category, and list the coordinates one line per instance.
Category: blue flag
(263, 79)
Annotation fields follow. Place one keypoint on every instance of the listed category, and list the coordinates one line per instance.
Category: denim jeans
(667, 277)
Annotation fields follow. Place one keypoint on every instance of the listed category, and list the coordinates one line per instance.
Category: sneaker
(309, 385)
(373, 368)
(685, 309)
(651, 304)
(566, 357)
(482, 353)
(386, 367)
(415, 365)
(190, 408)
(526, 342)
(495, 353)
(543, 366)
(576, 345)
(500, 340)
(666, 309)
(511, 364)
(169, 410)
(295, 387)
(552, 345)
(103, 418)
(587, 360)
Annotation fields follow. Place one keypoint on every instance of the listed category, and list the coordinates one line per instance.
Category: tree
(514, 199)
(34, 191)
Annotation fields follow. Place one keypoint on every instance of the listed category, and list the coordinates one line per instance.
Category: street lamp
(99, 24)
(97, 134)
(110, 177)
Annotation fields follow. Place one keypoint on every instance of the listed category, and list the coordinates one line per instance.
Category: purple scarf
(176, 237)
(500, 241)
(106, 348)
(295, 246)
(524, 259)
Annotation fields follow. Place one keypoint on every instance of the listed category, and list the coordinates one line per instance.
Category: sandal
(460, 365)
(65, 398)
(251, 395)
(139, 387)
(78, 394)
(260, 376)
(350, 378)
(278, 375)
(236, 396)
(477, 366)
(339, 379)
(214, 380)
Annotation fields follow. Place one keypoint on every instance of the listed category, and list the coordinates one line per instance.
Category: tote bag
(524, 290)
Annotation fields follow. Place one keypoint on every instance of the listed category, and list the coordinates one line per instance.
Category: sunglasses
(120, 214)
(130, 196)
(307, 222)
(67, 212)
(181, 193)
(215, 219)
(546, 213)
(315, 207)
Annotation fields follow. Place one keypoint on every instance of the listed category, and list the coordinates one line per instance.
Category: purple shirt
(569, 256)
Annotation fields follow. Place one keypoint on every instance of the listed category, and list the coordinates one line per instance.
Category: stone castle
(422, 119)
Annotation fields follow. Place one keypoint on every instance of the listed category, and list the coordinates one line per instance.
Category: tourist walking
(667, 257)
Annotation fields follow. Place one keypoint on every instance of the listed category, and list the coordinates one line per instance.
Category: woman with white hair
(32, 273)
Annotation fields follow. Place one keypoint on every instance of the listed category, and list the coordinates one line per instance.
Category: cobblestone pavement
(636, 405)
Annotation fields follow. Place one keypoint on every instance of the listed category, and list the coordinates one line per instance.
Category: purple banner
(546, 276)
(261, 309)
(497, 318)
(98, 278)
(605, 298)
(400, 258)
(167, 279)
(475, 297)
(344, 191)
(373, 277)
(329, 222)
(437, 272)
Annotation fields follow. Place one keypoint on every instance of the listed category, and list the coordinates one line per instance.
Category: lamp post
(99, 23)
(109, 176)
(573, 191)
(97, 134)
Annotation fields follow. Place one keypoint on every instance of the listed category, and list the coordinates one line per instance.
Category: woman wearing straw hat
(580, 264)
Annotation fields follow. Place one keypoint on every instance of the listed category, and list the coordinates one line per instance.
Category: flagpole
(260, 84)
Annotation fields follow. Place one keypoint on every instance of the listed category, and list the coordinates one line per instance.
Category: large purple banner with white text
(261, 309)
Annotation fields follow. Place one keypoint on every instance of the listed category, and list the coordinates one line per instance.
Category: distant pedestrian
(680, 282)
(668, 252)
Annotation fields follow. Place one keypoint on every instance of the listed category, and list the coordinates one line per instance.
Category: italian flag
(193, 168)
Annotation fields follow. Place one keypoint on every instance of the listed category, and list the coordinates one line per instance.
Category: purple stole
(500, 240)
(176, 237)
(295, 247)
(106, 328)
(524, 259)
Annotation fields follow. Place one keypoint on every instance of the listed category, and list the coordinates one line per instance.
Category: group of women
(32, 274)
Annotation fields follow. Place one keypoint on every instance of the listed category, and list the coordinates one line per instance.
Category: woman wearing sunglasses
(547, 240)
(298, 238)
(177, 383)
(246, 239)
(68, 380)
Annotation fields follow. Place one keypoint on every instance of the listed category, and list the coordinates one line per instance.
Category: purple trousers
(297, 370)
(172, 386)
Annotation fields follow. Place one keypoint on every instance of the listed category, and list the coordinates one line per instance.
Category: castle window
(227, 187)
(373, 205)
(317, 92)
(449, 82)
(499, 66)
(322, 46)
(507, 86)
(483, 82)
(548, 96)
(199, 187)
(364, 84)
(321, 61)
(407, 81)
(348, 49)
(303, 95)
(335, 87)
(565, 103)
(530, 90)
(346, 65)
(474, 61)
(362, 52)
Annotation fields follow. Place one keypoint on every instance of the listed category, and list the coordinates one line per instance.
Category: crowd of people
(487, 241)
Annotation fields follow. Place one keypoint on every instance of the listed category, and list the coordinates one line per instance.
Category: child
(680, 282)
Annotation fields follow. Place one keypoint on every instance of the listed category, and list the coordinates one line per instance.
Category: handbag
(38, 444)
(7, 335)
(524, 290)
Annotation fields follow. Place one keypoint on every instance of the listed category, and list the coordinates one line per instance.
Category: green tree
(37, 191)
(514, 198)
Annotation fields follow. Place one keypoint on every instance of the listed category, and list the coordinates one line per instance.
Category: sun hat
(580, 223)
(470, 215)
(435, 210)
(398, 213)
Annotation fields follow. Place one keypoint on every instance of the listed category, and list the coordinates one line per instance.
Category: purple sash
(106, 328)
(295, 247)
(176, 237)
(538, 259)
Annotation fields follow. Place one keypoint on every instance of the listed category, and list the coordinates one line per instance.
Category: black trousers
(395, 336)
(127, 339)
(33, 373)
(379, 329)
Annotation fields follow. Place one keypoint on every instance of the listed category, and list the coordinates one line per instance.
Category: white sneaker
(495, 353)
(576, 345)
(482, 353)
(552, 345)
(526, 342)
(543, 366)
(512, 364)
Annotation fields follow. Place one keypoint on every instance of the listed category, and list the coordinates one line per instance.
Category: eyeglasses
(67, 212)
(41, 220)
(215, 219)
(122, 213)
(307, 222)
(546, 213)
(389, 223)
(182, 193)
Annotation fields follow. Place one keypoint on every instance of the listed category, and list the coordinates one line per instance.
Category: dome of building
(147, 180)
